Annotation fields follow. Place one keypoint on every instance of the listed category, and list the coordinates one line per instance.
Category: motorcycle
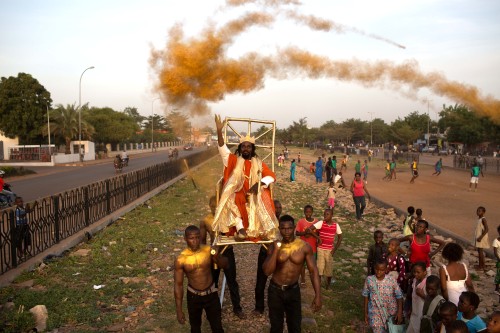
(124, 161)
(118, 164)
(6, 199)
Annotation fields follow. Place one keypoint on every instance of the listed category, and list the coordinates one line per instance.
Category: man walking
(196, 263)
(284, 261)
(260, 283)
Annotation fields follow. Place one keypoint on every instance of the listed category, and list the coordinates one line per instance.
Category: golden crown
(247, 138)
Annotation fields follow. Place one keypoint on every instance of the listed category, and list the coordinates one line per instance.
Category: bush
(13, 171)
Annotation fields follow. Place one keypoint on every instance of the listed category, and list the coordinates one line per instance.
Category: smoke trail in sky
(194, 71)
(318, 23)
(382, 73)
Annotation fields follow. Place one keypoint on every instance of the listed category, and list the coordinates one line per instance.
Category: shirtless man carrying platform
(284, 261)
(230, 270)
(196, 262)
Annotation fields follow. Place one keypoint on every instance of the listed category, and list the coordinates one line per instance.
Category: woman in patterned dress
(381, 292)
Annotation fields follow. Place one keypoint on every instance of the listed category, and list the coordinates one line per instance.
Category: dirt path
(445, 199)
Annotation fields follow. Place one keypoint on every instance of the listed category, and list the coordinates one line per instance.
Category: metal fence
(60, 216)
(490, 164)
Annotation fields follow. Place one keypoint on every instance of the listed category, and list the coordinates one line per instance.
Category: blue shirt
(21, 218)
(474, 325)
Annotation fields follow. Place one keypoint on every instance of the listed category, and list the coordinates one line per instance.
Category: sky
(56, 40)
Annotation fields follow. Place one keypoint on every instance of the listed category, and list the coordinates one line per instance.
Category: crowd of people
(431, 303)
(399, 286)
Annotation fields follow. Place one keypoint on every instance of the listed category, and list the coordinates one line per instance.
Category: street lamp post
(48, 130)
(371, 128)
(80, 115)
(304, 132)
(428, 125)
(152, 123)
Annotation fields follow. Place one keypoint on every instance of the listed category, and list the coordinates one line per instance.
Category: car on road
(429, 149)
(189, 146)
(443, 151)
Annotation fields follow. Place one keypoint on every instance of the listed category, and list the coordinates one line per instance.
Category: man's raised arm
(219, 125)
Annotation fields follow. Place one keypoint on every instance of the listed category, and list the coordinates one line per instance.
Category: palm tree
(64, 123)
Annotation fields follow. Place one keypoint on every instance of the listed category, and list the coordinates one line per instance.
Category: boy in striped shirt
(327, 246)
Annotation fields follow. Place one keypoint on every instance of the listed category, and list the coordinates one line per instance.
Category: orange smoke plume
(195, 71)
(192, 72)
(378, 74)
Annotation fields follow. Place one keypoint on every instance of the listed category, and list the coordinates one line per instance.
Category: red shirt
(327, 235)
(420, 252)
(357, 189)
(302, 225)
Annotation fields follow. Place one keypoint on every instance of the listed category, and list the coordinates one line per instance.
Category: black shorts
(22, 235)
(415, 172)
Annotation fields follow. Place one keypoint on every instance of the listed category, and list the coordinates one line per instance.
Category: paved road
(52, 180)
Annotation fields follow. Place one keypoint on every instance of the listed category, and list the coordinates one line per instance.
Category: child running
(430, 311)
(343, 165)
(392, 167)
(438, 167)
(414, 170)
(387, 170)
(467, 306)
(307, 235)
(474, 177)
(417, 292)
(326, 248)
(376, 252)
(481, 240)
(382, 298)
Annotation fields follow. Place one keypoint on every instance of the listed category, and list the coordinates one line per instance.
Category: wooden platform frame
(230, 125)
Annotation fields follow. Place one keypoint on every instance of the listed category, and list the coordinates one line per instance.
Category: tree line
(24, 104)
(26, 110)
(457, 123)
